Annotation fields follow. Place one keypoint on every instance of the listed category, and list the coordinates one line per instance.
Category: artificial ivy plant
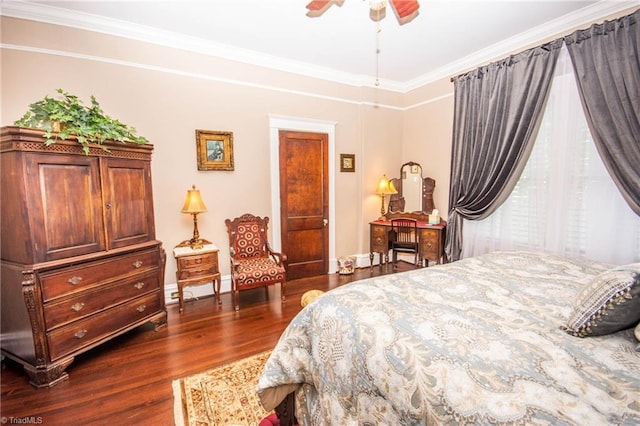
(66, 116)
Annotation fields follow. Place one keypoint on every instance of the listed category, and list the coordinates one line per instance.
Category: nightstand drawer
(89, 302)
(199, 262)
(79, 278)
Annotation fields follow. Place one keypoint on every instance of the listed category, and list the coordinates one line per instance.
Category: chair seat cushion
(258, 269)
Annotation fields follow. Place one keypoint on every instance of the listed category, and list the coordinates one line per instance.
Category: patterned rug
(225, 395)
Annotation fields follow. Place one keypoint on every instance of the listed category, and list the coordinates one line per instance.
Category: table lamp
(385, 187)
(194, 205)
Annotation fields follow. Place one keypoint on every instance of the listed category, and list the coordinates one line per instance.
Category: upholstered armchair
(253, 262)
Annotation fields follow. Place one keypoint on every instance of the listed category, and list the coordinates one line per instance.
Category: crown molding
(558, 26)
(79, 20)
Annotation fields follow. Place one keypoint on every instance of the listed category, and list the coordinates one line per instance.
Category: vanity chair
(403, 238)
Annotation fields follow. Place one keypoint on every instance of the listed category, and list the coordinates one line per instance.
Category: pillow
(610, 303)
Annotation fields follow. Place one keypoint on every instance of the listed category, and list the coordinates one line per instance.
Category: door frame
(277, 123)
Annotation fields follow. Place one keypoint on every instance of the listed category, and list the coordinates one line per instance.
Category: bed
(503, 338)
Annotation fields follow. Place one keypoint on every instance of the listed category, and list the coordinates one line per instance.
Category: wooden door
(304, 205)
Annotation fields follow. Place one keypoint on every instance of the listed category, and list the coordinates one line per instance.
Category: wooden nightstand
(197, 266)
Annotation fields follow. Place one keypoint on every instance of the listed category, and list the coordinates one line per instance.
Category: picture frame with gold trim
(347, 162)
(214, 150)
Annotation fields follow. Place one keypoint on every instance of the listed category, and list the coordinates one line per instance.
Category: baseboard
(202, 290)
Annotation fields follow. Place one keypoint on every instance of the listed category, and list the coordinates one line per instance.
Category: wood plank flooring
(128, 380)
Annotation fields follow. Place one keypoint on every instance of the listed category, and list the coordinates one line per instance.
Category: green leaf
(88, 123)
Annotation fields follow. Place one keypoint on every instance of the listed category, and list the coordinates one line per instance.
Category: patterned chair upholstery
(253, 262)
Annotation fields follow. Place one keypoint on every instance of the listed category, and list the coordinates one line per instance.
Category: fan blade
(317, 4)
(404, 8)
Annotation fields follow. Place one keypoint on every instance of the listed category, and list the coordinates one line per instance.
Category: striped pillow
(610, 303)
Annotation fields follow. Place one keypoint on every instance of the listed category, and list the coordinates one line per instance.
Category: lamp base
(194, 244)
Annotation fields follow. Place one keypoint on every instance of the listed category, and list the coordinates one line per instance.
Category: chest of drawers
(79, 260)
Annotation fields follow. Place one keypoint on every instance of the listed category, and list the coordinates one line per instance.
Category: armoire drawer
(78, 278)
(86, 303)
(79, 334)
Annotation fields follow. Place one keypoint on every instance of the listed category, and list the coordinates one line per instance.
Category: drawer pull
(141, 308)
(75, 280)
(429, 245)
(80, 334)
(137, 264)
(77, 306)
(139, 285)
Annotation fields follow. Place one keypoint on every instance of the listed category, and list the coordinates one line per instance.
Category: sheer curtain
(565, 202)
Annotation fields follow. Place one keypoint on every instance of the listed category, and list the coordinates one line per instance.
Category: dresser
(431, 239)
(80, 262)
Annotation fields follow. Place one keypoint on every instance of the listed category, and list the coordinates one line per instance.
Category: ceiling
(446, 38)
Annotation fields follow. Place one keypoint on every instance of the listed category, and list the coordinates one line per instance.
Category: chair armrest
(279, 258)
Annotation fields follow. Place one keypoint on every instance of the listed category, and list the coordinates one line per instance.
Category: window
(565, 201)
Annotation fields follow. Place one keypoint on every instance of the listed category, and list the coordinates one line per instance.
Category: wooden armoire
(80, 262)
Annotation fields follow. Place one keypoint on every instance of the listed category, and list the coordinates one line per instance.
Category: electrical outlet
(174, 295)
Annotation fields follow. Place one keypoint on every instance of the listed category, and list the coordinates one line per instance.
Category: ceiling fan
(405, 10)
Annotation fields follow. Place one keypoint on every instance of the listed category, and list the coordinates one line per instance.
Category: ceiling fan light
(377, 4)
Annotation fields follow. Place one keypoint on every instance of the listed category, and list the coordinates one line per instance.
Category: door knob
(325, 222)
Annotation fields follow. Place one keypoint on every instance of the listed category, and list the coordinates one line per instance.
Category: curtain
(565, 202)
(497, 111)
(607, 67)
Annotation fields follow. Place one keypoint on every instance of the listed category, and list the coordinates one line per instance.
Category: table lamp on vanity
(385, 187)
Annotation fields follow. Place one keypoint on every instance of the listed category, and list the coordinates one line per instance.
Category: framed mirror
(415, 193)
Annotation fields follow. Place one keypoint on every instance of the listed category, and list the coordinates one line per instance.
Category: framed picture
(215, 150)
(347, 163)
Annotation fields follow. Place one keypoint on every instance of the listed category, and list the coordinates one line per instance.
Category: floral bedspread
(477, 341)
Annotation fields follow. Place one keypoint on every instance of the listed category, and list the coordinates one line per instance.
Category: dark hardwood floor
(128, 380)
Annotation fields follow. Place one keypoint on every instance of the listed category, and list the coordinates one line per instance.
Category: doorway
(298, 227)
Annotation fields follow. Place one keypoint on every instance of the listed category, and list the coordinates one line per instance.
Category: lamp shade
(193, 203)
(385, 186)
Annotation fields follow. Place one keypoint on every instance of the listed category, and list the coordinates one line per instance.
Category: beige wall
(168, 93)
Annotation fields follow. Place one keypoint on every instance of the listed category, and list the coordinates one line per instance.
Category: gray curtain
(497, 112)
(607, 68)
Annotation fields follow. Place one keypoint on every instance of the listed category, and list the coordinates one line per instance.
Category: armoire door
(128, 202)
(64, 205)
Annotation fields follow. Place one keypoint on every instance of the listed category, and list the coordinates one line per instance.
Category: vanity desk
(411, 196)
(430, 238)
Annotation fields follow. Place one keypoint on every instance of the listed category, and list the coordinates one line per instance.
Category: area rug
(225, 395)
